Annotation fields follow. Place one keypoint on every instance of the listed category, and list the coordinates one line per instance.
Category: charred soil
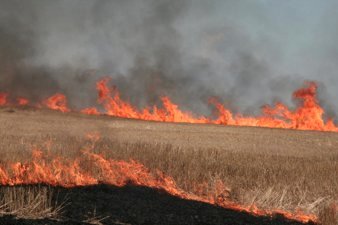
(141, 205)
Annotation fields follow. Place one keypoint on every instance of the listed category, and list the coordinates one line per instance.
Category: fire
(3, 99)
(115, 106)
(308, 115)
(22, 101)
(57, 102)
(90, 111)
(92, 169)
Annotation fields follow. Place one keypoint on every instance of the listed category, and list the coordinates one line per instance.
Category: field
(268, 168)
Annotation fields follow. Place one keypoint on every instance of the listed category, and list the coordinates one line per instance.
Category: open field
(270, 168)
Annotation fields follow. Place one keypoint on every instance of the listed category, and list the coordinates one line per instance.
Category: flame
(57, 102)
(115, 106)
(3, 98)
(308, 115)
(92, 169)
(90, 111)
(22, 101)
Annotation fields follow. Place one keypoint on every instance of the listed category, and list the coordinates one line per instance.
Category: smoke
(242, 52)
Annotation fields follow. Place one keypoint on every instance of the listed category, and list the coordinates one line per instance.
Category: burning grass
(266, 182)
(307, 115)
(261, 177)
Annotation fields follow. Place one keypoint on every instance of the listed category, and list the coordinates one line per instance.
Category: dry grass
(268, 181)
(329, 214)
(280, 169)
(29, 202)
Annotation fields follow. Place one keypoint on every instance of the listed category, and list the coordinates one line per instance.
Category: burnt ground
(141, 205)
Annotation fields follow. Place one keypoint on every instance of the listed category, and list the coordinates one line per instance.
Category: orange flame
(308, 115)
(3, 99)
(22, 101)
(68, 173)
(90, 111)
(115, 106)
(57, 102)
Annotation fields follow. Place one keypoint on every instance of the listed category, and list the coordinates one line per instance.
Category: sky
(245, 52)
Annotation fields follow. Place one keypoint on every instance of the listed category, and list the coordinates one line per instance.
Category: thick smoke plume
(188, 50)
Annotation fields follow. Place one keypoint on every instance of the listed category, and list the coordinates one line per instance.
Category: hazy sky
(295, 40)
(246, 52)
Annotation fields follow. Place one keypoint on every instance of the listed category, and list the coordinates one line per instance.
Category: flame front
(308, 115)
(92, 169)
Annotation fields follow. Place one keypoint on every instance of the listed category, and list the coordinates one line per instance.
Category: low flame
(90, 111)
(3, 98)
(308, 115)
(59, 171)
(22, 101)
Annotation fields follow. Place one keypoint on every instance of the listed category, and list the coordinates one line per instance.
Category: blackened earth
(141, 205)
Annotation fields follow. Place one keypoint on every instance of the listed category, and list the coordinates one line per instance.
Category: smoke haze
(247, 53)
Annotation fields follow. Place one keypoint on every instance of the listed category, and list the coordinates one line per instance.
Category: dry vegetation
(29, 202)
(270, 168)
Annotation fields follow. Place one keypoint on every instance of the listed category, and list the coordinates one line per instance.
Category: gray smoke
(188, 50)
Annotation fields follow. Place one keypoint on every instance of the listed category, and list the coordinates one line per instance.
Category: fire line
(308, 115)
